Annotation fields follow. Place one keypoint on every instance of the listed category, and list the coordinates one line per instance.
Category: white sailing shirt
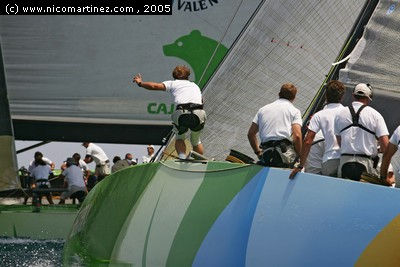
(97, 153)
(324, 121)
(32, 164)
(395, 139)
(355, 140)
(147, 158)
(314, 159)
(74, 176)
(83, 165)
(184, 91)
(275, 120)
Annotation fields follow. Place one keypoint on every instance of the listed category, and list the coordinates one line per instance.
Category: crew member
(39, 156)
(73, 181)
(357, 127)
(41, 175)
(150, 154)
(96, 154)
(392, 147)
(324, 121)
(314, 159)
(276, 123)
(189, 113)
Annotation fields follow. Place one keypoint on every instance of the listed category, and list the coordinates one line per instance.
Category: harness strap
(275, 143)
(189, 106)
(357, 155)
(355, 118)
(318, 141)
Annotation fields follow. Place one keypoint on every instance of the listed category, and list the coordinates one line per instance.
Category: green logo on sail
(201, 53)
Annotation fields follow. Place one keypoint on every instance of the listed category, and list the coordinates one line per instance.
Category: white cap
(150, 146)
(363, 89)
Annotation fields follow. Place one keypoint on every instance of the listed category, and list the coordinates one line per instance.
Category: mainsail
(8, 166)
(71, 75)
(292, 41)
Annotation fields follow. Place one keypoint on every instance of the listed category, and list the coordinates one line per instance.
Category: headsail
(74, 72)
(292, 41)
(8, 166)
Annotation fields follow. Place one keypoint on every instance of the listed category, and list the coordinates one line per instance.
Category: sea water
(30, 252)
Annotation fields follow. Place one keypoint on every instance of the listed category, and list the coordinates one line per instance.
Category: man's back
(356, 140)
(74, 176)
(184, 91)
(324, 121)
(97, 153)
(41, 172)
(276, 119)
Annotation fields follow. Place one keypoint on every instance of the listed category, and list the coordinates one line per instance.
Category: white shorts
(195, 123)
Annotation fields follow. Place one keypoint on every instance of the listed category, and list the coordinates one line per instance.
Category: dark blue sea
(30, 252)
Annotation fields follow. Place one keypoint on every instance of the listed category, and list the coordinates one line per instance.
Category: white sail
(68, 72)
(286, 41)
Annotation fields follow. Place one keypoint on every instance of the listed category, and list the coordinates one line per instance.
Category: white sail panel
(287, 41)
(79, 68)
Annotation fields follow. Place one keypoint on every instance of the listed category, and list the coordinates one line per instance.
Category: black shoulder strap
(318, 141)
(355, 118)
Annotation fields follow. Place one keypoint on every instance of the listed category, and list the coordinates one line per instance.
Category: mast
(8, 166)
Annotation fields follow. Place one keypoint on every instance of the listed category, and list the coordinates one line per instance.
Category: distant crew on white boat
(96, 154)
(39, 156)
(150, 154)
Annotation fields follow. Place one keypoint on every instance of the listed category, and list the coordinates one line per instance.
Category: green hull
(52, 222)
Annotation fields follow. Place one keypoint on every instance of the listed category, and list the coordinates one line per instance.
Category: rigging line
(207, 171)
(33, 146)
(220, 41)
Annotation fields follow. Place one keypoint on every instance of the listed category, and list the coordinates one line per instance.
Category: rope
(220, 41)
(206, 171)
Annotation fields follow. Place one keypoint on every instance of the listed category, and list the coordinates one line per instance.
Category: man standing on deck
(324, 121)
(96, 154)
(150, 154)
(276, 123)
(189, 113)
(357, 128)
(392, 147)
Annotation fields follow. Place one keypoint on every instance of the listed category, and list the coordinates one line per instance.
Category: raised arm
(148, 85)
